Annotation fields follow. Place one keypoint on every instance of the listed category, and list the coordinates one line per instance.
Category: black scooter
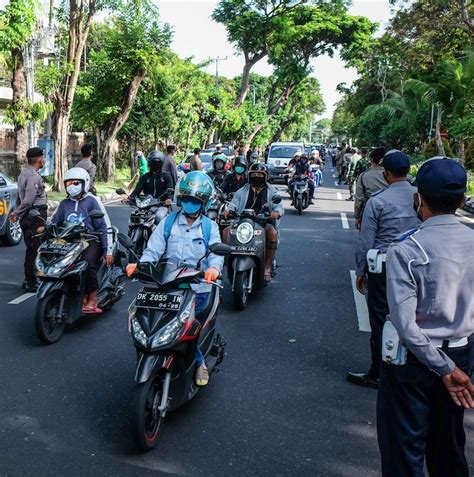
(165, 332)
(63, 277)
(246, 262)
(300, 193)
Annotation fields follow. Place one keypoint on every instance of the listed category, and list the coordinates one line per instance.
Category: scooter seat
(201, 317)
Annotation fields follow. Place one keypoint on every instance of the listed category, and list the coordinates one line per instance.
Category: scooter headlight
(167, 334)
(143, 202)
(245, 232)
(138, 333)
(57, 267)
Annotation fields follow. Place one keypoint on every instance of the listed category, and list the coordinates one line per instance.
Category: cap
(441, 175)
(396, 161)
(34, 152)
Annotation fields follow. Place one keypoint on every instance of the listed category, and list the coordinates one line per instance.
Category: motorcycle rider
(218, 171)
(186, 243)
(256, 195)
(155, 183)
(236, 179)
(301, 168)
(75, 208)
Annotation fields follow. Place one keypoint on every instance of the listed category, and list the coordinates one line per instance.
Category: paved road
(280, 406)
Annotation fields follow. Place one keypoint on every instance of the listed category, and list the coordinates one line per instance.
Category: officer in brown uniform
(31, 195)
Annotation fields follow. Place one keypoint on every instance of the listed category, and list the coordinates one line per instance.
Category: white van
(279, 156)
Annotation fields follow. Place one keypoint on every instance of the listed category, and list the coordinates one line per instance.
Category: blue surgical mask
(74, 190)
(240, 170)
(191, 206)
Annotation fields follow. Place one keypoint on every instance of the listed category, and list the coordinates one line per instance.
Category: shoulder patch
(406, 235)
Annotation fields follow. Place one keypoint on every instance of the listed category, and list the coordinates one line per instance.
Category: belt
(40, 206)
(456, 343)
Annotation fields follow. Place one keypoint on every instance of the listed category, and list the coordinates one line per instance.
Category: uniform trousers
(378, 311)
(416, 418)
(29, 227)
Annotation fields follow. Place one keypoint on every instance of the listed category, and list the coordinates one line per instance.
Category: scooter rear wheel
(47, 326)
(147, 421)
(241, 294)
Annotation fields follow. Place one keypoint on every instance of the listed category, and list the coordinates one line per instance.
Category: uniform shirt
(155, 184)
(186, 245)
(434, 299)
(88, 166)
(388, 214)
(31, 191)
(169, 167)
(367, 184)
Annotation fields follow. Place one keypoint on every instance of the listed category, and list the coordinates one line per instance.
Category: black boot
(363, 379)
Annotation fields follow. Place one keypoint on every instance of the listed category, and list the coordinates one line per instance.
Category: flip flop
(91, 311)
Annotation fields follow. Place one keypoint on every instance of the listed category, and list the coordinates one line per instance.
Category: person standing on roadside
(142, 163)
(169, 166)
(368, 183)
(388, 214)
(195, 164)
(340, 162)
(355, 158)
(430, 275)
(31, 195)
(87, 164)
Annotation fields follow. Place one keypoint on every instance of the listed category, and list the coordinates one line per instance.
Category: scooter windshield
(164, 271)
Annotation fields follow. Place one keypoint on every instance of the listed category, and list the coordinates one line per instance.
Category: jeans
(202, 300)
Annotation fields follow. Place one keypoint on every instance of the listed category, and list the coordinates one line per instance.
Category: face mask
(155, 167)
(257, 181)
(74, 190)
(240, 170)
(417, 207)
(191, 206)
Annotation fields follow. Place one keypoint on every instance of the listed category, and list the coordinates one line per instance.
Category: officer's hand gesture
(460, 387)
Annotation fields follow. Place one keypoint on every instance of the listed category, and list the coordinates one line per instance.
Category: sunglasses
(73, 182)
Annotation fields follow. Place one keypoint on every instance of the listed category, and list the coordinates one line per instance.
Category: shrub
(431, 149)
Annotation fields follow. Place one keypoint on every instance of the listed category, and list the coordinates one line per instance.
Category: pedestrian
(249, 154)
(368, 183)
(340, 162)
(31, 195)
(142, 163)
(169, 166)
(355, 158)
(87, 164)
(195, 164)
(430, 275)
(388, 214)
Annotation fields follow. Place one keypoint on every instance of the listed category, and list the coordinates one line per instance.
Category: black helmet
(256, 170)
(240, 161)
(155, 161)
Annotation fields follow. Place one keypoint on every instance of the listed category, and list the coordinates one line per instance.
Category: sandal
(90, 310)
(202, 376)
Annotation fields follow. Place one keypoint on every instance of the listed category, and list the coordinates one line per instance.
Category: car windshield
(206, 158)
(284, 152)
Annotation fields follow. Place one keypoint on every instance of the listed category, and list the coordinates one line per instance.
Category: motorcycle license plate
(58, 248)
(244, 249)
(151, 298)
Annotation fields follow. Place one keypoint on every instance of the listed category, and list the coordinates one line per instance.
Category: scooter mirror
(220, 249)
(96, 214)
(120, 192)
(276, 199)
(170, 191)
(33, 213)
(124, 240)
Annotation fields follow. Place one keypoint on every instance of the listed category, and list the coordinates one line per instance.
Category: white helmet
(79, 174)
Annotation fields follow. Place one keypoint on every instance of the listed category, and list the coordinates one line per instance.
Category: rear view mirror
(276, 199)
(220, 249)
(120, 192)
(96, 214)
(124, 240)
(170, 191)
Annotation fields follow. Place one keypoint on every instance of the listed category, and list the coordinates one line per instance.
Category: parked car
(10, 232)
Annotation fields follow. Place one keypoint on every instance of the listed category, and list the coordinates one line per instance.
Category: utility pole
(217, 67)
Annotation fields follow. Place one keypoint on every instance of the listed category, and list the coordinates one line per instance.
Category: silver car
(10, 232)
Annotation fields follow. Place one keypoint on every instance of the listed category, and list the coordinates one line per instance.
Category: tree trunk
(18, 84)
(284, 123)
(439, 141)
(106, 152)
(245, 86)
(255, 131)
(155, 137)
(60, 134)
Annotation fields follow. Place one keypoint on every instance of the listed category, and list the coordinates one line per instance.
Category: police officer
(388, 214)
(31, 195)
(430, 275)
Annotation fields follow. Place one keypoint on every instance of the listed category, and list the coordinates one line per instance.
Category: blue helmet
(195, 192)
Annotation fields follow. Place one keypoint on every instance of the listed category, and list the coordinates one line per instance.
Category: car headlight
(245, 232)
(167, 333)
(138, 333)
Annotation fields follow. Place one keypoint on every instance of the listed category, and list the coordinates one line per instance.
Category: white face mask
(74, 190)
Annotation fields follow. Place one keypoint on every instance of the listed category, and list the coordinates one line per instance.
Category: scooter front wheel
(241, 294)
(299, 205)
(49, 327)
(147, 421)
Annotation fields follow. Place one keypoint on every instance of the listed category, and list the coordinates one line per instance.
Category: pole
(217, 68)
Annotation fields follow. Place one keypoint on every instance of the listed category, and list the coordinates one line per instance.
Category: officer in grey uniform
(387, 215)
(430, 277)
(368, 183)
(31, 195)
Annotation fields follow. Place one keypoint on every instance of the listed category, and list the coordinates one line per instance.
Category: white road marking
(339, 196)
(361, 305)
(21, 298)
(345, 222)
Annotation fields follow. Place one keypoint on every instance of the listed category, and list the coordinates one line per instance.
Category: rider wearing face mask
(258, 195)
(218, 171)
(236, 179)
(75, 208)
(187, 243)
(301, 168)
